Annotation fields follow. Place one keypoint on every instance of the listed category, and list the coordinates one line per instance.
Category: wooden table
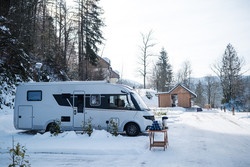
(162, 143)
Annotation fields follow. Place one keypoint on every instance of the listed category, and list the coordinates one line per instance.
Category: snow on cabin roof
(106, 59)
(191, 92)
(117, 72)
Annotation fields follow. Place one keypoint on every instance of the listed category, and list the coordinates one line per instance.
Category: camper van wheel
(132, 129)
(51, 128)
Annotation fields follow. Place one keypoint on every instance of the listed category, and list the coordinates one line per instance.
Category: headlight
(151, 117)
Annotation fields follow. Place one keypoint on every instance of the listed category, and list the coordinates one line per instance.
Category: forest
(63, 39)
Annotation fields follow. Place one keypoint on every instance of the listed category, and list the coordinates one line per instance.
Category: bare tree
(216, 94)
(153, 80)
(147, 42)
(184, 74)
(199, 90)
(212, 90)
(209, 86)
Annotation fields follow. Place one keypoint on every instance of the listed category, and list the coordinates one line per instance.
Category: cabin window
(34, 95)
(95, 100)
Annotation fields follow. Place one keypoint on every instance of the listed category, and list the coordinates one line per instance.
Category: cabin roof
(176, 86)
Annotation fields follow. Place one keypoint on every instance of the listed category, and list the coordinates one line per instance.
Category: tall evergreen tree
(90, 34)
(14, 62)
(164, 72)
(229, 72)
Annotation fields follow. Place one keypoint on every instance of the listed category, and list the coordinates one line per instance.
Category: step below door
(25, 117)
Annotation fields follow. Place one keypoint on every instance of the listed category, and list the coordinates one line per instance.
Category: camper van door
(78, 108)
(25, 117)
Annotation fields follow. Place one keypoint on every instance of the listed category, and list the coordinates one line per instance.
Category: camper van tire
(52, 127)
(132, 129)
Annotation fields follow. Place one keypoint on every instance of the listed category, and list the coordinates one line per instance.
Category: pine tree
(14, 62)
(229, 72)
(89, 34)
(164, 72)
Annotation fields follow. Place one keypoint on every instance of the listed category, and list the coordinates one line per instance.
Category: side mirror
(164, 118)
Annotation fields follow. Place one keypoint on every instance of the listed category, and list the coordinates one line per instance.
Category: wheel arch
(126, 124)
(48, 123)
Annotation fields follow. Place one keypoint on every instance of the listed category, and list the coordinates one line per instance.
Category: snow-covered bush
(18, 156)
(54, 128)
(7, 94)
(113, 128)
(88, 127)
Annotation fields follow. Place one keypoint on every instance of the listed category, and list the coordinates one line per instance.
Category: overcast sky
(193, 30)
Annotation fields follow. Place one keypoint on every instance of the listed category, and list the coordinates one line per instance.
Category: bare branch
(146, 44)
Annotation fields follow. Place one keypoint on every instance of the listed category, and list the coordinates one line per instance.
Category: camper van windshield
(140, 102)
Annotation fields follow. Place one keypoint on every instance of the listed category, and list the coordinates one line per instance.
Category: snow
(208, 138)
(4, 28)
(106, 59)
(151, 100)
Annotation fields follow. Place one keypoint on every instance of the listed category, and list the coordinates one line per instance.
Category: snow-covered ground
(208, 138)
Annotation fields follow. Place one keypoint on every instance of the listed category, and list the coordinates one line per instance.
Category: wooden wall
(184, 98)
(164, 100)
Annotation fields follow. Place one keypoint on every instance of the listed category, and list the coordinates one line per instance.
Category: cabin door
(78, 109)
(174, 100)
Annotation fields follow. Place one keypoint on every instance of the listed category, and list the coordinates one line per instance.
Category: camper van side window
(95, 100)
(119, 102)
(34, 95)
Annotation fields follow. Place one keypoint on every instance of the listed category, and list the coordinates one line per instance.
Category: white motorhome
(38, 105)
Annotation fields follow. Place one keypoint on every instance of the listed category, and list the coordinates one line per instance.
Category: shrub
(88, 127)
(18, 155)
(113, 128)
(159, 113)
(55, 127)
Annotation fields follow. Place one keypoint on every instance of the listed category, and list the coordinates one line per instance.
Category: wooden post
(233, 111)
(224, 109)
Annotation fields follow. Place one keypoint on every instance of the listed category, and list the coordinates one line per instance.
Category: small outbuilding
(177, 96)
